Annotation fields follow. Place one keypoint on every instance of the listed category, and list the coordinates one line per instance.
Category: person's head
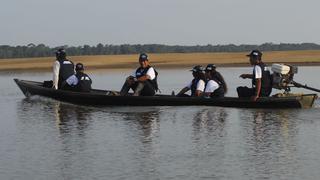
(198, 72)
(61, 54)
(255, 57)
(79, 67)
(210, 69)
(143, 60)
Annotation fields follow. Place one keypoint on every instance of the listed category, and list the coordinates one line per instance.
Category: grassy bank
(174, 60)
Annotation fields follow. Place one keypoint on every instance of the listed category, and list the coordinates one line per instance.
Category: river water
(42, 138)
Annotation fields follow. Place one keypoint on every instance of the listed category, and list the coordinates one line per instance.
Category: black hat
(255, 53)
(60, 53)
(210, 67)
(143, 57)
(79, 67)
(197, 68)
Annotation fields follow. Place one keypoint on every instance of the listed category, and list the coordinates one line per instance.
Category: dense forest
(41, 50)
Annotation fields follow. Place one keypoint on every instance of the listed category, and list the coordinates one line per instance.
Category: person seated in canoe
(62, 69)
(261, 78)
(144, 80)
(213, 87)
(216, 76)
(197, 84)
(78, 82)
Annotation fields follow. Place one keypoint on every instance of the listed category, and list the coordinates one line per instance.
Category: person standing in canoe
(62, 69)
(215, 84)
(261, 78)
(80, 81)
(197, 84)
(144, 80)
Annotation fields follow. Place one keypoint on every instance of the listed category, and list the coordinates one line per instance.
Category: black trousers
(244, 91)
(142, 88)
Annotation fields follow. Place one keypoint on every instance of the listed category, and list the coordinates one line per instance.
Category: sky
(170, 22)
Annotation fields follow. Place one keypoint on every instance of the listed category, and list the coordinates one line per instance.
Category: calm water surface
(42, 138)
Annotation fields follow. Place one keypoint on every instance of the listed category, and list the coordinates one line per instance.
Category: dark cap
(255, 53)
(197, 68)
(143, 57)
(79, 67)
(210, 67)
(60, 53)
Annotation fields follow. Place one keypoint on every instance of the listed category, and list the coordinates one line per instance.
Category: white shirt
(151, 73)
(211, 86)
(257, 71)
(200, 85)
(56, 69)
(72, 80)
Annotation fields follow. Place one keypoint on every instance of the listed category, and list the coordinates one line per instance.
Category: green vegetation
(41, 50)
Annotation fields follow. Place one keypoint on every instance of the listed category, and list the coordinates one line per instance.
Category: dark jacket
(66, 70)
(266, 80)
(143, 71)
(84, 82)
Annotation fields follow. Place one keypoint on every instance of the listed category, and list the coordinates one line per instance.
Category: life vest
(66, 70)
(266, 81)
(143, 71)
(194, 86)
(217, 77)
(218, 92)
(84, 82)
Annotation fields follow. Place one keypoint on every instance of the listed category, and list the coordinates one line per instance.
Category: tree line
(41, 50)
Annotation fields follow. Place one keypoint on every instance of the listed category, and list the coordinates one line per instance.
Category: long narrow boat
(102, 98)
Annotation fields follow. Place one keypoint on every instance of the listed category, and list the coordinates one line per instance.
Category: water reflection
(71, 118)
(211, 121)
(269, 134)
(146, 122)
(142, 129)
(68, 118)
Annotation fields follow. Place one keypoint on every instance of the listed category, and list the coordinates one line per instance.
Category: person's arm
(184, 90)
(200, 88)
(56, 69)
(246, 76)
(143, 78)
(150, 75)
(257, 90)
(258, 77)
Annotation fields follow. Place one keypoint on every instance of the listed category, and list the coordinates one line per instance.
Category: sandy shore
(172, 60)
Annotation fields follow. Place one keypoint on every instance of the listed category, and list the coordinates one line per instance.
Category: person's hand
(254, 98)
(130, 80)
(243, 76)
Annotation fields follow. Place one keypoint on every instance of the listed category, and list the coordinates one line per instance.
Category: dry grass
(173, 60)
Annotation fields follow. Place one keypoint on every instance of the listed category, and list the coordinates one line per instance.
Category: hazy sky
(171, 22)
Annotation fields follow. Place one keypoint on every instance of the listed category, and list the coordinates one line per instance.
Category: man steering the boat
(62, 69)
(261, 78)
(144, 80)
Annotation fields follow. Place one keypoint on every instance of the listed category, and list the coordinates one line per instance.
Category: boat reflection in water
(71, 118)
(266, 135)
(211, 121)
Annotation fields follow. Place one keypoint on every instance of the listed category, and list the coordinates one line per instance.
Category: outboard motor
(282, 76)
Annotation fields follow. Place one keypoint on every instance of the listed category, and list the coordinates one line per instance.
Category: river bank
(167, 61)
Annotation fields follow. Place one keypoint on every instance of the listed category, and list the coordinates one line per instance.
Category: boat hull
(101, 98)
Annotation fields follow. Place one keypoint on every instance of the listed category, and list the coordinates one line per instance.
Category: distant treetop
(41, 50)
